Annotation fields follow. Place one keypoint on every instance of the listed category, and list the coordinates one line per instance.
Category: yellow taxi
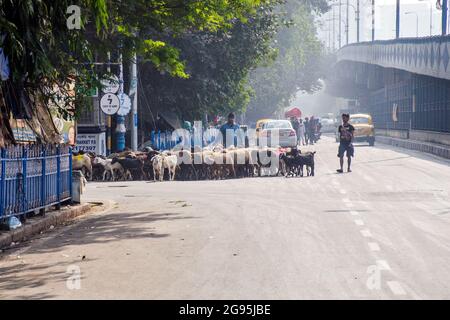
(364, 128)
(259, 125)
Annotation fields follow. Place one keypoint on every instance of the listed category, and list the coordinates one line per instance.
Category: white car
(278, 133)
(328, 123)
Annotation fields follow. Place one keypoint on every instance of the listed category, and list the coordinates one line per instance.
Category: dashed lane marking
(373, 246)
(368, 178)
(396, 288)
(359, 222)
(346, 200)
(383, 265)
(342, 191)
(354, 213)
(349, 204)
(366, 233)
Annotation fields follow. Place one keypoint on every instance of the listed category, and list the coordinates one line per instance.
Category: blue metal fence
(33, 177)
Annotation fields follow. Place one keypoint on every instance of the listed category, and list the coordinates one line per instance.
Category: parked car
(287, 137)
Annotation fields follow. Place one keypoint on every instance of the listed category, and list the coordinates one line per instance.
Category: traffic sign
(125, 104)
(110, 104)
(110, 85)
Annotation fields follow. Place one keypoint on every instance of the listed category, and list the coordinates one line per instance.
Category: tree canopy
(195, 57)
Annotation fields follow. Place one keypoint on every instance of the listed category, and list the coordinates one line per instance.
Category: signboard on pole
(95, 142)
(110, 85)
(125, 104)
(110, 104)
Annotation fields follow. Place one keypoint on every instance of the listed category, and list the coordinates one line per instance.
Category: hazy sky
(384, 20)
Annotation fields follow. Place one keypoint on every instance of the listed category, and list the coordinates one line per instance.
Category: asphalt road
(381, 232)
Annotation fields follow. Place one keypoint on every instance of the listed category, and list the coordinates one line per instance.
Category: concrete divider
(432, 148)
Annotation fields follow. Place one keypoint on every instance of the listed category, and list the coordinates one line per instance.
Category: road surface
(381, 232)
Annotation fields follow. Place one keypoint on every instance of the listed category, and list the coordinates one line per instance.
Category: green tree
(298, 65)
(43, 52)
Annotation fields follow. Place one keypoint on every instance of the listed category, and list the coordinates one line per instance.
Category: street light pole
(397, 20)
(357, 20)
(340, 24)
(334, 30)
(373, 20)
(444, 17)
(347, 27)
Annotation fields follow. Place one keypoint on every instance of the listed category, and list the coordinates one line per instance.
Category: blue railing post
(70, 173)
(152, 138)
(159, 139)
(43, 176)
(24, 178)
(2, 182)
(58, 177)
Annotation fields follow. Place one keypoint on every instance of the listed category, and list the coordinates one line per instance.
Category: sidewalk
(433, 148)
(38, 224)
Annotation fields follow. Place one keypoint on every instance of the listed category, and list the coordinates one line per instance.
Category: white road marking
(367, 178)
(373, 246)
(342, 191)
(346, 200)
(389, 187)
(383, 265)
(354, 213)
(366, 233)
(359, 222)
(349, 204)
(396, 288)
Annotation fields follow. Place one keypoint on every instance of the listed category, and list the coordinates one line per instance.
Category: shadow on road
(109, 228)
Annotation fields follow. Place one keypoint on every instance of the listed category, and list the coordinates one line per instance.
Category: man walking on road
(346, 131)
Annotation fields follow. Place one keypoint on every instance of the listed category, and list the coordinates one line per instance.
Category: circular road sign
(110, 104)
(110, 85)
(125, 104)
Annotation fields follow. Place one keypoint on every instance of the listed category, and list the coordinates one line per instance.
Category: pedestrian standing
(301, 133)
(307, 130)
(346, 131)
(312, 130)
(295, 125)
(231, 127)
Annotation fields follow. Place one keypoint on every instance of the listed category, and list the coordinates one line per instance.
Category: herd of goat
(207, 164)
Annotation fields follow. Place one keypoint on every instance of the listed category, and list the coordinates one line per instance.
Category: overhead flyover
(404, 83)
(428, 56)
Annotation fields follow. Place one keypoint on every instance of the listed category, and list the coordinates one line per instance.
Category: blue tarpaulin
(4, 66)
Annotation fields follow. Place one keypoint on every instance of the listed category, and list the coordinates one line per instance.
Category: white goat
(109, 167)
(158, 167)
(170, 163)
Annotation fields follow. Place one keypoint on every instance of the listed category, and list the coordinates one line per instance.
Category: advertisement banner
(91, 142)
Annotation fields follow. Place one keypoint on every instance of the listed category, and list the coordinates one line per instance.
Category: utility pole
(334, 30)
(357, 20)
(444, 17)
(340, 24)
(347, 26)
(397, 20)
(120, 129)
(134, 96)
(373, 20)
(108, 118)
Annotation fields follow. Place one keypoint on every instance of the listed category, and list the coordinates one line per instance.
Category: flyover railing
(427, 56)
(33, 177)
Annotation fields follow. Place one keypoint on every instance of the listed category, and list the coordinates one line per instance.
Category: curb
(435, 149)
(34, 226)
